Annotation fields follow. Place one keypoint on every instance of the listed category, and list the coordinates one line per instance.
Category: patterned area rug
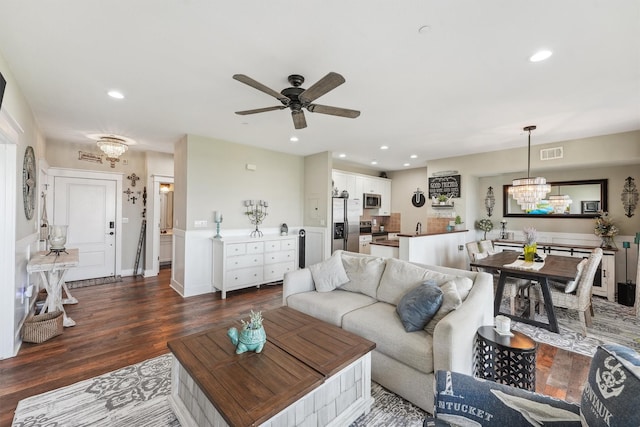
(613, 323)
(137, 396)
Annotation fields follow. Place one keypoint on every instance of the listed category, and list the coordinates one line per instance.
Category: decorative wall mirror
(587, 198)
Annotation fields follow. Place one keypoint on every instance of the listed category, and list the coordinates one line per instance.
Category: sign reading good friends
(447, 185)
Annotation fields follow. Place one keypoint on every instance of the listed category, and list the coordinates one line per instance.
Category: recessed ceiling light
(540, 55)
(115, 94)
(374, 162)
(414, 156)
(384, 147)
(293, 139)
(342, 155)
(406, 164)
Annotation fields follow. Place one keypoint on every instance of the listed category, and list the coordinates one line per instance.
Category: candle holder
(257, 212)
(57, 239)
(503, 229)
(217, 218)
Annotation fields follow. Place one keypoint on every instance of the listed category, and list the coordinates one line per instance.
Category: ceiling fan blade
(261, 110)
(257, 85)
(299, 122)
(322, 86)
(334, 111)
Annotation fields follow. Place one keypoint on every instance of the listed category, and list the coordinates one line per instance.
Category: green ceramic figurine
(252, 336)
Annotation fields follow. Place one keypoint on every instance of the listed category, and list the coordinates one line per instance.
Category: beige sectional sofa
(403, 362)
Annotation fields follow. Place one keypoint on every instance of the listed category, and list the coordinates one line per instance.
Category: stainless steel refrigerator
(346, 224)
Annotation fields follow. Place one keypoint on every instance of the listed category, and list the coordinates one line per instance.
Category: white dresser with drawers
(242, 262)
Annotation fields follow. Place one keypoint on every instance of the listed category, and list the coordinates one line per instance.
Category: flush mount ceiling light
(529, 191)
(540, 56)
(113, 146)
(115, 94)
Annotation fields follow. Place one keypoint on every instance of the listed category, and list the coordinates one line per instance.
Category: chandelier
(560, 202)
(113, 147)
(527, 192)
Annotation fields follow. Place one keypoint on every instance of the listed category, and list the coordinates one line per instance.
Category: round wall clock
(29, 182)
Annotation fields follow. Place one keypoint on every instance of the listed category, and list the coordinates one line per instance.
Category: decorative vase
(248, 339)
(530, 252)
(607, 242)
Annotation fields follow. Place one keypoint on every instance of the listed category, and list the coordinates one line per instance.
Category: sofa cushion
(419, 305)
(379, 323)
(610, 396)
(329, 274)
(450, 301)
(328, 306)
(400, 277)
(364, 273)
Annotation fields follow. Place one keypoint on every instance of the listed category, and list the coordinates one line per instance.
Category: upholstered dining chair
(575, 295)
(514, 289)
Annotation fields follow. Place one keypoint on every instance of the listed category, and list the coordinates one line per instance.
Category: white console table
(605, 287)
(242, 262)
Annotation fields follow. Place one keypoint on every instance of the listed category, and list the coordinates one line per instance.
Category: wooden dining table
(560, 268)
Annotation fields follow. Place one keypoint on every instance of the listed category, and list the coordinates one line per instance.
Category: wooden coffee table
(309, 373)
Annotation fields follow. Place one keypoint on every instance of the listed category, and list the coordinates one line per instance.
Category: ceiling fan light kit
(297, 98)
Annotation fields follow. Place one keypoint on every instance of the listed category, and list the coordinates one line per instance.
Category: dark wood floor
(124, 323)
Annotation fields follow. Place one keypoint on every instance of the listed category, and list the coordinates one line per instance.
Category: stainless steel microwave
(371, 201)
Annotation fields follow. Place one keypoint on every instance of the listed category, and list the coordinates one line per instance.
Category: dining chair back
(580, 299)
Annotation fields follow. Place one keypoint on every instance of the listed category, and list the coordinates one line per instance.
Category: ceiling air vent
(551, 153)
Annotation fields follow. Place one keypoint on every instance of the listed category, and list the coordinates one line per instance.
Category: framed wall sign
(448, 185)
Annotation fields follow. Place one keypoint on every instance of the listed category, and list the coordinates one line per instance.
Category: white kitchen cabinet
(358, 184)
(166, 248)
(604, 285)
(345, 181)
(385, 197)
(242, 262)
(365, 244)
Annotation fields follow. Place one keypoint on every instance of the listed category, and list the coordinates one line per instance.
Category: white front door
(88, 207)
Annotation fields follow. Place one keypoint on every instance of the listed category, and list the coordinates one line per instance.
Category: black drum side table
(509, 360)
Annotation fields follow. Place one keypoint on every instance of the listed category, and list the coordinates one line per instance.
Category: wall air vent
(551, 153)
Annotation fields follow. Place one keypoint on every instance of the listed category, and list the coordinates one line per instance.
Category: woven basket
(42, 327)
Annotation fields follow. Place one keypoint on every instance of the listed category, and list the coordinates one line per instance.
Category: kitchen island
(385, 248)
(445, 248)
(438, 248)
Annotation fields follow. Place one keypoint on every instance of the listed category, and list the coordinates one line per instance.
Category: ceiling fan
(297, 98)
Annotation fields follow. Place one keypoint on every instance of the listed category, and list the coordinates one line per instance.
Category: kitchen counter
(432, 234)
(391, 243)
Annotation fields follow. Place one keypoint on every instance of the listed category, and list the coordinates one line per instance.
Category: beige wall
(317, 190)
(217, 178)
(610, 156)
(19, 110)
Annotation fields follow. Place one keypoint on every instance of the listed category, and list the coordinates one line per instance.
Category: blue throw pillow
(419, 305)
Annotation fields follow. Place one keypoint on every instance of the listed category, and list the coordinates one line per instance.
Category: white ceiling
(463, 86)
